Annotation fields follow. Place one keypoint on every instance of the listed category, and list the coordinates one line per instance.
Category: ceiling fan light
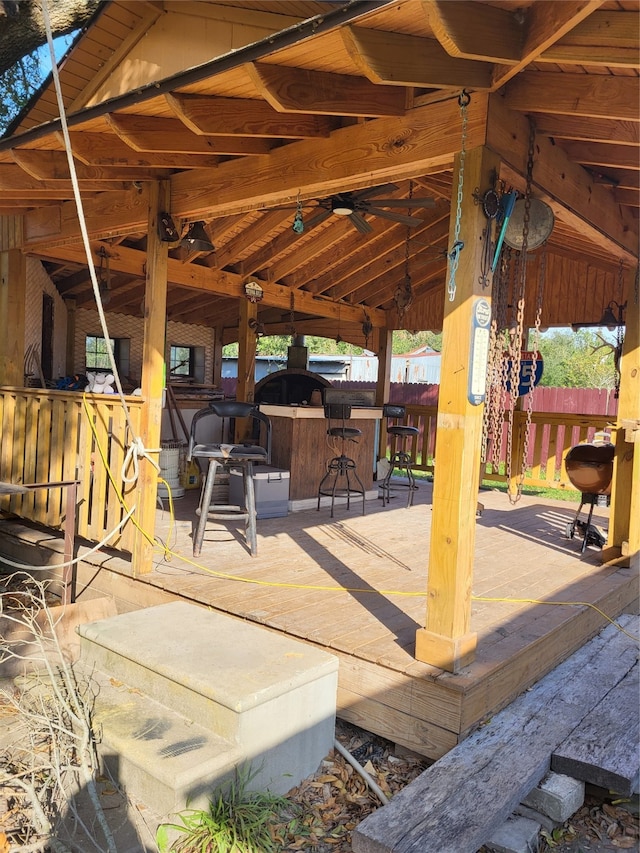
(342, 207)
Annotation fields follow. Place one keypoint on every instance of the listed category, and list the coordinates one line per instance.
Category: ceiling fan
(355, 205)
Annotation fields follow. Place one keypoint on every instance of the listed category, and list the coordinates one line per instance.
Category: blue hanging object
(531, 368)
(507, 203)
(298, 223)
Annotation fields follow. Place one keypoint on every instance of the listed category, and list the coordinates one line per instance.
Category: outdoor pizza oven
(291, 386)
(590, 468)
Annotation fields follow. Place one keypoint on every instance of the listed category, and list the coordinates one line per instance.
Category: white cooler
(271, 487)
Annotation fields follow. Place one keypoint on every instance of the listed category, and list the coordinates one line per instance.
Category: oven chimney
(297, 354)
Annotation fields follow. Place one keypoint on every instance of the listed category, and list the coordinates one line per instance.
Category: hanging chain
(617, 355)
(515, 348)
(490, 431)
(454, 254)
(542, 272)
(497, 364)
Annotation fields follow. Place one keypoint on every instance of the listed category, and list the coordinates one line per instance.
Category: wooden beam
(575, 199)
(54, 166)
(607, 38)
(595, 154)
(14, 180)
(153, 364)
(218, 282)
(446, 640)
(586, 129)
(358, 157)
(624, 524)
(545, 24)
(256, 233)
(108, 215)
(211, 116)
(403, 60)
(147, 133)
(629, 198)
(106, 149)
(297, 90)
(13, 297)
(590, 95)
(471, 30)
(247, 341)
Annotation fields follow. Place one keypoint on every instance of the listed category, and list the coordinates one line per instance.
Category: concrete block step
(273, 697)
(165, 759)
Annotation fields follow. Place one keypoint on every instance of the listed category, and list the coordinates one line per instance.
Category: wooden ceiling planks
(586, 117)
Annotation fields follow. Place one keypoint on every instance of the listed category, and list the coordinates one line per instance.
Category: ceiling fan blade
(410, 221)
(405, 202)
(316, 219)
(360, 223)
(369, 191)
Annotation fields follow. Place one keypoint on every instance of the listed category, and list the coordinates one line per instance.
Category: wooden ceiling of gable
(376, 66)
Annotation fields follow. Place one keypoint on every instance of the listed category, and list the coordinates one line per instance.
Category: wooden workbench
(300, 446)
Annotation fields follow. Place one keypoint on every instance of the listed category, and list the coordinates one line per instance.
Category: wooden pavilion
(251, 117)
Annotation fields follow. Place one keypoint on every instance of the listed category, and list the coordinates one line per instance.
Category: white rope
(140, 451)
(136, 451)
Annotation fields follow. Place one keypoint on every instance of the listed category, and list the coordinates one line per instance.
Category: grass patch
(236, 821)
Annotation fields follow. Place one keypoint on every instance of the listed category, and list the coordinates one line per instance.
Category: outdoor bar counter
(300, 446)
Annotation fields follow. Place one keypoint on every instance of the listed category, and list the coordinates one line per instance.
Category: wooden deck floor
(355, 585)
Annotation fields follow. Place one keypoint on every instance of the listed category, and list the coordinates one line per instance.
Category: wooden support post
(246, 360)
(153, 366)
(624, 523)
(517, 448)
(383, 384)
(217, 357)
(446, 641)
(13, 288)
(69, 360)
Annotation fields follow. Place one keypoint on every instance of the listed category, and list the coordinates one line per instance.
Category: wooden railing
(551, 436)
(58, 436)
(52, 436)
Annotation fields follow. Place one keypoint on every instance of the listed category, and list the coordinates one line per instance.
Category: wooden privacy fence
(51, 436)
(551, 436)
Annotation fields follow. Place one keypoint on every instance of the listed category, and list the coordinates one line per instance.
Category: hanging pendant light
(196, 239)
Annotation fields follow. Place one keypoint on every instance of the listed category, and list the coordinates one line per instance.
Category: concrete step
(165, 758)
(270, 698)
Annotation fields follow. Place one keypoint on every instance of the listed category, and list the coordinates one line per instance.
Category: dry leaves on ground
(330, 804)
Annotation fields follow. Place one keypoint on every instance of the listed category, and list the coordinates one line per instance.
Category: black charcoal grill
(590, 469)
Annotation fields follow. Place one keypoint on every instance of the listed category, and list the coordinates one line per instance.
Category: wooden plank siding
(50, 436)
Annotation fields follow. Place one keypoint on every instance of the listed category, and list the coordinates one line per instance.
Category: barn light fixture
(167, 231)
(609, 319)
(196, 239)
(253, 290)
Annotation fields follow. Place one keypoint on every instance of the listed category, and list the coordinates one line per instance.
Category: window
(97, 356)
(186, 363)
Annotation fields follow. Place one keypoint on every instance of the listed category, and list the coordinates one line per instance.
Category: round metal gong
(540, 225)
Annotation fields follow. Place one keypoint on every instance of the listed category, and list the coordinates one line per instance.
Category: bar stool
(341, 479)
(223, 457)
(401, 460)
